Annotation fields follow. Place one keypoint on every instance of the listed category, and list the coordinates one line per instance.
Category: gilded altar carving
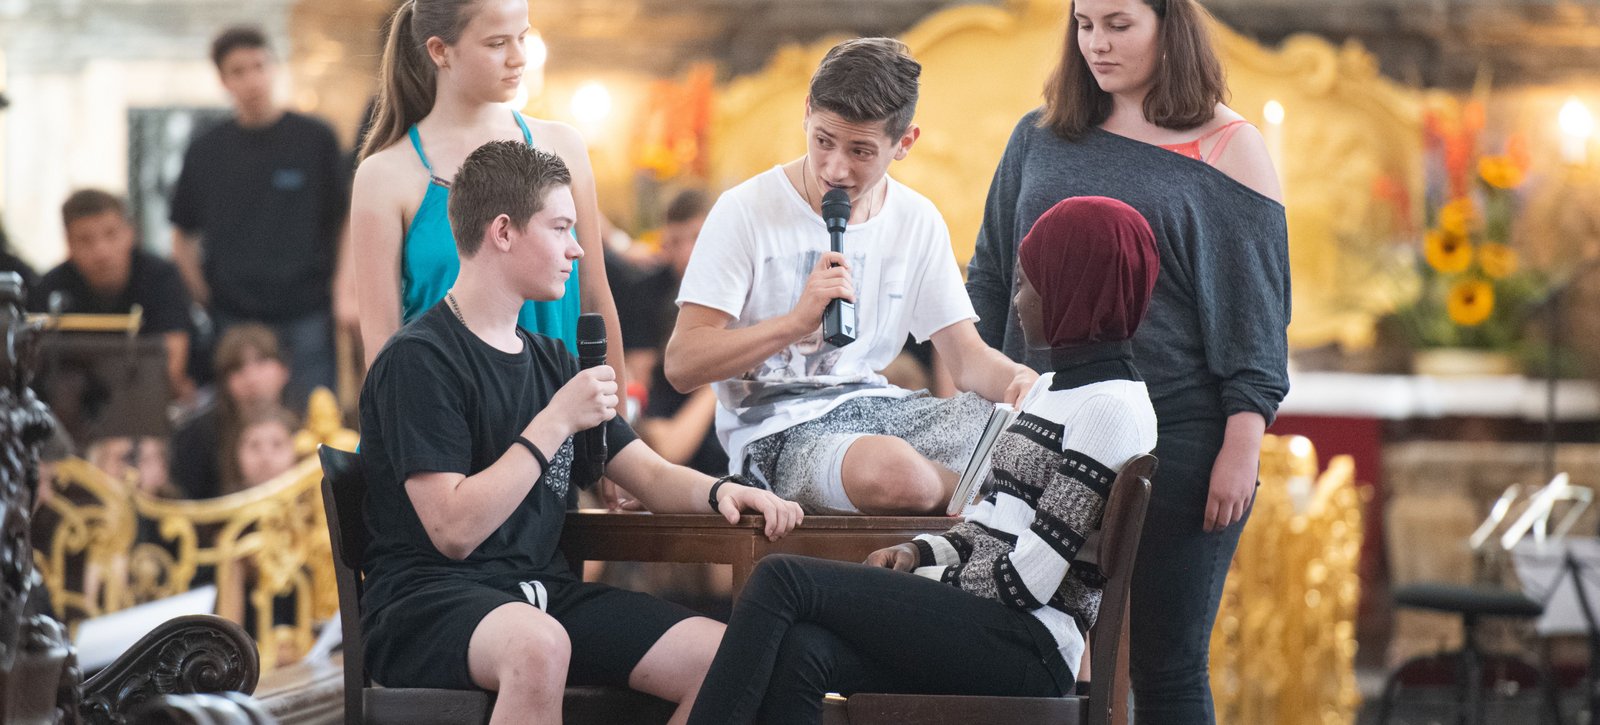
(1283, 648)
(1350, 141)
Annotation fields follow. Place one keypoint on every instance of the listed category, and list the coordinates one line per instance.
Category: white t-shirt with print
(753, 257)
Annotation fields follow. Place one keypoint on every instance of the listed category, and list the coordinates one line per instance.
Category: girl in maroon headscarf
(929, 616)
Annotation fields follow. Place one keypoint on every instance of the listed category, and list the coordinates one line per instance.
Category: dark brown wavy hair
(1188, 78)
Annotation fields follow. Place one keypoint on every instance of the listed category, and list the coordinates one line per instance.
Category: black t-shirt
(268, 205)
(153, 283)
(665, 402)
(438, 398)
(195, 467)
(645, 302)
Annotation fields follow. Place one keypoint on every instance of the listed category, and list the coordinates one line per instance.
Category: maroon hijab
(1093, 261)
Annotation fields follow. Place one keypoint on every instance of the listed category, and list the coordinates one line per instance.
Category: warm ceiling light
(591, 103)
(1575, 119)
(1273, 112)
(537, 52)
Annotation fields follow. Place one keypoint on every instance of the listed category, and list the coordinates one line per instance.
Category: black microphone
(839, 318)
(592, 352)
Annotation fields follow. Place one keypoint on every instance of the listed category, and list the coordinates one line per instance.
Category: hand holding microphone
(839, 319)
(592, 356)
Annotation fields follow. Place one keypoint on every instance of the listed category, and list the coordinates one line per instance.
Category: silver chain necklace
(451, 298)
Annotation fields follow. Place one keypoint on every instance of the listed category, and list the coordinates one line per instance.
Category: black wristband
(712, 498)
(544, 463)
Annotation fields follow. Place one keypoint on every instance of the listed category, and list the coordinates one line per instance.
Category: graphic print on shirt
(807, 369)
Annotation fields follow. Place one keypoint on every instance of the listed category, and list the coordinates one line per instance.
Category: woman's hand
(781, 515)
(1233, 474)
(900, 557)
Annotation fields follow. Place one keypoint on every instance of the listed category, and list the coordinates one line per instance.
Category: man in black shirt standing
(258, 212)
(107, 274)
(468, 427)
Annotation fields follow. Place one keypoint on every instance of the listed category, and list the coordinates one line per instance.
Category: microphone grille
(591, 326)
(836, 204)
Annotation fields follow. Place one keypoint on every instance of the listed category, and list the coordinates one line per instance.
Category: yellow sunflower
(1471, 301)
(1500, 172)
(1456, 217)
(1497, 260)
(1446, 252)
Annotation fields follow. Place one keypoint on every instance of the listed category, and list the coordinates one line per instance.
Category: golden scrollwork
(1350, 141)
(103, 545)
(1283, 648)
(91, 526)
(272, 537)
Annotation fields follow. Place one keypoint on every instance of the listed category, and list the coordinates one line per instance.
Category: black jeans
(1177, 580)
(804, 627)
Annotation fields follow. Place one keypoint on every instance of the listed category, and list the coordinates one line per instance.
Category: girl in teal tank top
(429, 263)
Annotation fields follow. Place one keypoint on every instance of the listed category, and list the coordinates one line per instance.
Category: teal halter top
(429, 264)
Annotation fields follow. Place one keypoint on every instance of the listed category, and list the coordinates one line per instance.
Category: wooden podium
(101, 378)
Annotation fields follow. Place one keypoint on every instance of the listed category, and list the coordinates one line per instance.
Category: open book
(971, 483)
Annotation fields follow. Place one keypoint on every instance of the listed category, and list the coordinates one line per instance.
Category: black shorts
(421, 641)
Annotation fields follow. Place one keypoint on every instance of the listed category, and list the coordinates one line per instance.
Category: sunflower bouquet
(1473, 291)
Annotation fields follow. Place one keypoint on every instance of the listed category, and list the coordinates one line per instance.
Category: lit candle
(1577, 125)
(1273, 112)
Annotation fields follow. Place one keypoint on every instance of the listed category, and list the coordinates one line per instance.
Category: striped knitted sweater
(1030, 544)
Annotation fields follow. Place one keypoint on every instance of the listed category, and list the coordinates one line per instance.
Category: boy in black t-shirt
(107, 274)
(258, 211)
(468, 427)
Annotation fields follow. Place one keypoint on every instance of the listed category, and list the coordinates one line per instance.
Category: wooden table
(598, 535)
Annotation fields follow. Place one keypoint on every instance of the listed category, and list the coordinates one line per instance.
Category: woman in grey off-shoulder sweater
(1212, 346)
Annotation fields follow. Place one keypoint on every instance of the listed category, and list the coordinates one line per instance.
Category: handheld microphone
(839, 318)
(592, 352)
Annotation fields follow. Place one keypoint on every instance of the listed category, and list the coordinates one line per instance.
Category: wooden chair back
(344, 491)
(1122, 524)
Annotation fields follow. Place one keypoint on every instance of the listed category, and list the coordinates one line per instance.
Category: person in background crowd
(258, 212)
(106, 273)
(681, 427)
(265, 449)
(251, 372)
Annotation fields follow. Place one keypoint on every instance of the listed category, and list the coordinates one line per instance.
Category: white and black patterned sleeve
(1028, 573)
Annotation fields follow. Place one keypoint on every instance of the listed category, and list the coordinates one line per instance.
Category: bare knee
(537, 657)
(519, 649)
(889, 476)
(676, 664)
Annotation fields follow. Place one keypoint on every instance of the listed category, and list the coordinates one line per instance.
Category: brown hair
(406, 85)
(233, 351)
(688, 205)
(268, 413)
(866, 80)
(1188, 82)
(86, 203)
(243, 36)
(501, 177)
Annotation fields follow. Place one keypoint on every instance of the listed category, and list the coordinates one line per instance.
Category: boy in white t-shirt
(815, 422)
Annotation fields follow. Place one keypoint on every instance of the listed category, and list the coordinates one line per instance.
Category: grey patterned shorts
(804, 463)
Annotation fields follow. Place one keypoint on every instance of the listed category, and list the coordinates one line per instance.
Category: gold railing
(1283, 649)
(103, 545)
(263, 543)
